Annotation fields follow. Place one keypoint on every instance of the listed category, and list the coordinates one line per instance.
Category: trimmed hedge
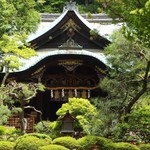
(5, 145)
(2, 130)
(88, 142)
(53, 147)
(121, 146)
(67, 141)
(40, 136)
(29, 143)
(145, 147)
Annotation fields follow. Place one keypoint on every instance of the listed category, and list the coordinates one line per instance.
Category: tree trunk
(22, 119)
(5, 76)
(142, 91)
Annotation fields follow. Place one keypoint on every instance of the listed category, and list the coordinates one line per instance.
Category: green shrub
(5, 145)
(88, 142)
(53, 147)
(29, 143)
(4, 114)
(120, 146)
(42, 127)
(2, 130)
(8, 133)
(6, 130)
(145, 147)
(40, 136)
(68, 142)
(50, 128)
(55, 128)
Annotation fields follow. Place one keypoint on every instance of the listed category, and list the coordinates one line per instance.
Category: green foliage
(107, 114)
(120, 146)
(4, 114)
(53, 147)
(77, 106)
(16, 110)
(68, 142)
(7, 130)
(14, 50)
(5, 145)
(88, 142)
(43, 127)
(92, 8)
(82, 109)
(55, 129)
(127, 82)
(120, 131)
(20, 92)
(9, 133)
(40, 136)
(134, 13)
(2, 130)
(30, 143)
(137, 128)
(51, 6)
(144, 146)
(128, 53)
(18, 16)
(50, 128)
(125, 79)
(139, 121)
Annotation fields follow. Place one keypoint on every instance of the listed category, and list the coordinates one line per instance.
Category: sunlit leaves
(18, 16)
(136, 15)
(52, 6)
(14, 48)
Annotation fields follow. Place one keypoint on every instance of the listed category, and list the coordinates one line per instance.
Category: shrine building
(70, 62)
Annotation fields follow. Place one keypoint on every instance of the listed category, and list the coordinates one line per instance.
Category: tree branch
(6, 75)
(35, 92)
(142, 91)
(38, 111)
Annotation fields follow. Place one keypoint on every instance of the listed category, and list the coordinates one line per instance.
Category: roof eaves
(51, 25)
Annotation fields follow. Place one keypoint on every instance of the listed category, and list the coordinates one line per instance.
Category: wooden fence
(14, 121)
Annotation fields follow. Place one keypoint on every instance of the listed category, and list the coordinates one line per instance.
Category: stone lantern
(67, 124)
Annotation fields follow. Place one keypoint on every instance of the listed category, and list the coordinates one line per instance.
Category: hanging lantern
(75, 93)
(63, 93)
(84, 94)
(70, 93)
(52, 94)
(89, 93)
(56, 94)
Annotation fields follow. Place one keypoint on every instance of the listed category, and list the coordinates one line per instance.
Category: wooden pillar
(39, 100)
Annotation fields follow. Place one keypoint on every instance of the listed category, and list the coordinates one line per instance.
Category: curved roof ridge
(88, 24)
(42, 55)
(70, 6)
(47, 28)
